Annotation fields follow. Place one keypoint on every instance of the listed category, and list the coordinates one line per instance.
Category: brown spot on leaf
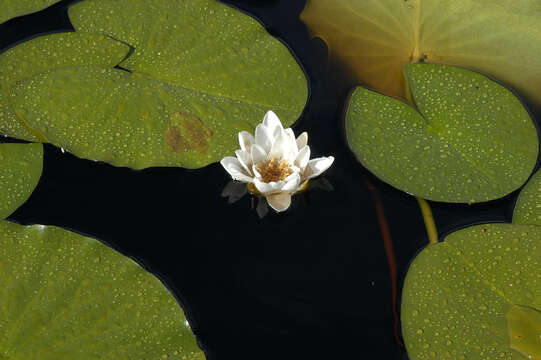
(186, 133)
(174, 140)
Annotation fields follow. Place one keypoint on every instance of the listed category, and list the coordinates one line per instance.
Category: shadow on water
(311, 283)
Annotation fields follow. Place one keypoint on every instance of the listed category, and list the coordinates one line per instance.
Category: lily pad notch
(469, 140)
(176, 106)
(374, 39)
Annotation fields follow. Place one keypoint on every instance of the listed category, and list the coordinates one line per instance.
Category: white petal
(316, 166)
(292, 151)
(279, 202)
(302, 158)
(291, 136)
(246, 140)
(272, 121)
(268, 188)
(280, 146)
(245, 159)
(263, 137)
(302, 140)
(276, 132)
(257, 174)
(231, 162)
(234, 168)
(292, 182)
(290, 133)
(258, 154)
(291, 176)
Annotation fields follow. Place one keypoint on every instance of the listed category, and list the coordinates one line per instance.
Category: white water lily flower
(274, 162)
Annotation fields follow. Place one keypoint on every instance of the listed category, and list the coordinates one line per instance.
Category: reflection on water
(313, 282)
(235, 190)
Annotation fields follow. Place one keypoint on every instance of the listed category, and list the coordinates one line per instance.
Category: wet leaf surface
(45, 53)
(66, 296)
(21, 166)
(470, 140)
(10, 9)
(458, 294)
(528, 206)
(135, 121)
(200, 72)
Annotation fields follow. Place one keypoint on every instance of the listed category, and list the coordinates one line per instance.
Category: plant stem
(389, 252)
(429, 221)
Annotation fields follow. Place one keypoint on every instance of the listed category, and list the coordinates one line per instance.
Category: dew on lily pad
(11, 9)
(171, 103)
(66, 296)
(20, 170)
(459, 294)
(45, 53)
(469, 140)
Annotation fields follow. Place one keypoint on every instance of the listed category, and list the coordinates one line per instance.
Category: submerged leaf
(200, 73)
(21, 166)
(458, 294)
(470, 140)
(65, 296)
(56, 51)
(13, 8)
(374, 38)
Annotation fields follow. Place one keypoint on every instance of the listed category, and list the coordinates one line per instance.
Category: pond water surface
(311, 283)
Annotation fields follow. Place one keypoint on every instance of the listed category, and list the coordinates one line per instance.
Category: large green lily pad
(469, 140)
(374, 38)
(66, 296)
(13, 8)
(135, 121)
(204, 46)
(528, 206)
(200, 72)
(56, 51)
(474, 295)
(21, 166)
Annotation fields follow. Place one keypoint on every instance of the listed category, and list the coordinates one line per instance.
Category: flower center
(273, 170)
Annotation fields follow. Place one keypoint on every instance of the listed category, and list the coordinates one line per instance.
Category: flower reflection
(235, 190)
(273, 163)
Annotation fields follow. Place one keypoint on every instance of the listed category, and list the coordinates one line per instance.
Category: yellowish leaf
(374, 38)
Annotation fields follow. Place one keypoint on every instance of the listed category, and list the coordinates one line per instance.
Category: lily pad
(21, 166)
(10, 8)
(200, 72)
(465, 297)
(373, 39)
(66, 296)
(136, 121)
(528, 207)
(55, 51)
(524, 331)
(469, 140)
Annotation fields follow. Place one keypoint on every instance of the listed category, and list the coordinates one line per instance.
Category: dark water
(311, 283)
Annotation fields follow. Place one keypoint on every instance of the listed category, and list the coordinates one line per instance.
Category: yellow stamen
(274, 170)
